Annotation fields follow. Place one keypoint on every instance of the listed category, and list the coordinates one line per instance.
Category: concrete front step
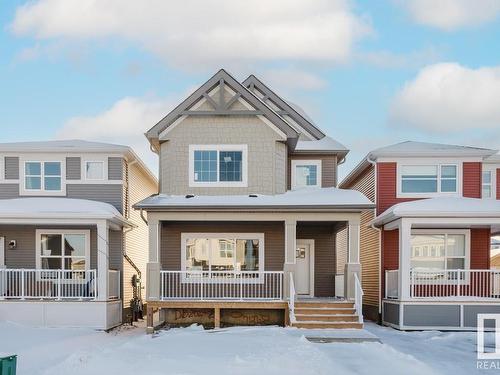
(324, 311)
(326, 318)
(331, 305)
(332, 325)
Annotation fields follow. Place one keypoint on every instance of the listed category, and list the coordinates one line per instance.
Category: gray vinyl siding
(73, 168)
(9, 191)
(108, 193)
(115, 168)
(11, 168)
(471, 311)
(391, 313)
(431, 315)
(115, 249)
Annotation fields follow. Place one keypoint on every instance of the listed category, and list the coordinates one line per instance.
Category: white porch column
(352, 266)
(153, 266)
(102, 260)
(290, 248)
(404, 259)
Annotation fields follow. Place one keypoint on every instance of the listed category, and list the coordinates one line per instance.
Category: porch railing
(291, 300)
(358, 298)
(221, 285)
(114, 284)
(39, 284)
(446, 284)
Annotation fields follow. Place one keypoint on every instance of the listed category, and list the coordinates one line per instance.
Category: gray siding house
(69, 242)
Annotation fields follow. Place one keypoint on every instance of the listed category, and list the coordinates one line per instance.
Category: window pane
(306, 175)
(74, 264)
(222, 254)
(52, 183)
(74, 245)
(52, 168)
(197, 254)
(427, 251)
(449, 171)
(33, 169)
(419, 171)
(94, 170)
(422, 264)
(247, 255)
(51, 245)
(419, 186)
(51, 263)
(486, 192)
(455, 264)
(449, 186)
(230, 165)
(205, 166)
(455, 245)
(487, 177)
(33, 183)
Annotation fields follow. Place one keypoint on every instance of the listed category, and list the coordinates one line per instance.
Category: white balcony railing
(39, 284)
(358, 298)
(221, 285)
(446, 284)
(114, 284)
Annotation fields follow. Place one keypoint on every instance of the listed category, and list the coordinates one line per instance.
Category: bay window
(428, 179)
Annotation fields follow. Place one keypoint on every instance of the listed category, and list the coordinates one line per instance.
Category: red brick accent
(472, 179)
(480, 240)
(498, 183)
(386, 187)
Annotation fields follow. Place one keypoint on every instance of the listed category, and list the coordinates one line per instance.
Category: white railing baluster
(291, 300)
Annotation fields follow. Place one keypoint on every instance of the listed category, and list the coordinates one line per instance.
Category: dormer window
(428, 180)
(218, 165)
(306, 173)
(42, 176)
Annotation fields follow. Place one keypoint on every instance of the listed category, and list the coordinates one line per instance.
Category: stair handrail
(291, 300)
(358, 298)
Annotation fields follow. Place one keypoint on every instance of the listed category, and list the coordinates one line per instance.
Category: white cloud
(452, 14)
(124, 123)
(192, 33)
(448, 97)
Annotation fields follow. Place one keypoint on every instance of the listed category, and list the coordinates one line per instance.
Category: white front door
(304, 281)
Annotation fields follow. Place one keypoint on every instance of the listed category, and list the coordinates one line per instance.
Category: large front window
(42, 176)
(63, 250)
(222, 252)
(217, 165)
(439, 251)
(428, 179)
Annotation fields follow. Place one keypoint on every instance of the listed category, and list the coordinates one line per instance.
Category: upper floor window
(487, 185)
(428, 179)
(306, 173)
(42, 176)
(218, 165)
(94, 170)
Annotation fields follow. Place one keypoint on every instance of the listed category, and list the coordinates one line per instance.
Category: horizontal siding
(370, 259)
(108, 193)
(73, 168)
(341, 250)
(472, 179)
(274, 240)
(9, 191)
(390, 254)
(115, 168)
(11, 167)
(386, 187)
(498, 183)
(480, 242)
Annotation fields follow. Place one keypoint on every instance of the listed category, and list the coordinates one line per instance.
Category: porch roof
(311, 199)
(449, 207)
(59, 208)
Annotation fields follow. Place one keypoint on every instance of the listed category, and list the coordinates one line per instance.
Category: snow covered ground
(242, 350)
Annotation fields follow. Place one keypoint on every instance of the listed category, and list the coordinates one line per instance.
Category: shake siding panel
(480, 248)
(9, 191)
(108, 193)
(115, 168)
(73, 168)
(472, 179)
(11, 165)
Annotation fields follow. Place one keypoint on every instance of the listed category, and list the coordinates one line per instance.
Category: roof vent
(189, 196)
(253, 195)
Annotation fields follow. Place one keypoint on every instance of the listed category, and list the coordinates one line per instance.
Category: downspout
(141, 212)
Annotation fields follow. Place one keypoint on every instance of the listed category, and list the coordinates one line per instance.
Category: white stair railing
(358, 298)
(291, 300)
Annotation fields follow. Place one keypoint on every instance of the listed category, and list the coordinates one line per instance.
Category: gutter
(322, 208)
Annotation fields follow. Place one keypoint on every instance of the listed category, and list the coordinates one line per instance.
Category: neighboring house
(69, 241)
(244, 228)
(425, 251)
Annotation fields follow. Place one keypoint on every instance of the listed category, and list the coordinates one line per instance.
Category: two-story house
(425, 248)
(244, 228)
(71, 247)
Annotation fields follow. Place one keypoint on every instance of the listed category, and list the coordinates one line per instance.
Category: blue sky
(369, 73)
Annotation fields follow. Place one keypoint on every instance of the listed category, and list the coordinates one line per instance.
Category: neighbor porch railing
(221, 285)
(447, 284)
(39, 284)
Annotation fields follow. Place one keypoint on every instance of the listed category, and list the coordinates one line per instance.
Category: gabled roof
(284, 108)
(221, 78)
(416, 149)
(325, 144)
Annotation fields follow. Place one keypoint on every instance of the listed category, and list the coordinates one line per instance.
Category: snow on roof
(324, 144)
(69, 145)
(495, 158)
(413, 148)
(307, 197)
(441, 207)
(62, 208)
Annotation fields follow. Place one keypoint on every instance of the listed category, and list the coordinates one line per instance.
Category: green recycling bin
(8, 365)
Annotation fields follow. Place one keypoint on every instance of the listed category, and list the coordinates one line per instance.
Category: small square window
(94, 170)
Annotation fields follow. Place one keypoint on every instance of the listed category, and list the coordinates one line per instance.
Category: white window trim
(38, 243)
(239, 236)
(445, 232)
(493, 171)
(297, 162)
(218, 148)
(439, 165)
(104, 169)
(41, 191)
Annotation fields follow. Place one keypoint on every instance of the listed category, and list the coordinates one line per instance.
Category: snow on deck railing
(454, 284)
(291, 300)
(221, 285)
(391, 283)
(44, 284)
(358, 298)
